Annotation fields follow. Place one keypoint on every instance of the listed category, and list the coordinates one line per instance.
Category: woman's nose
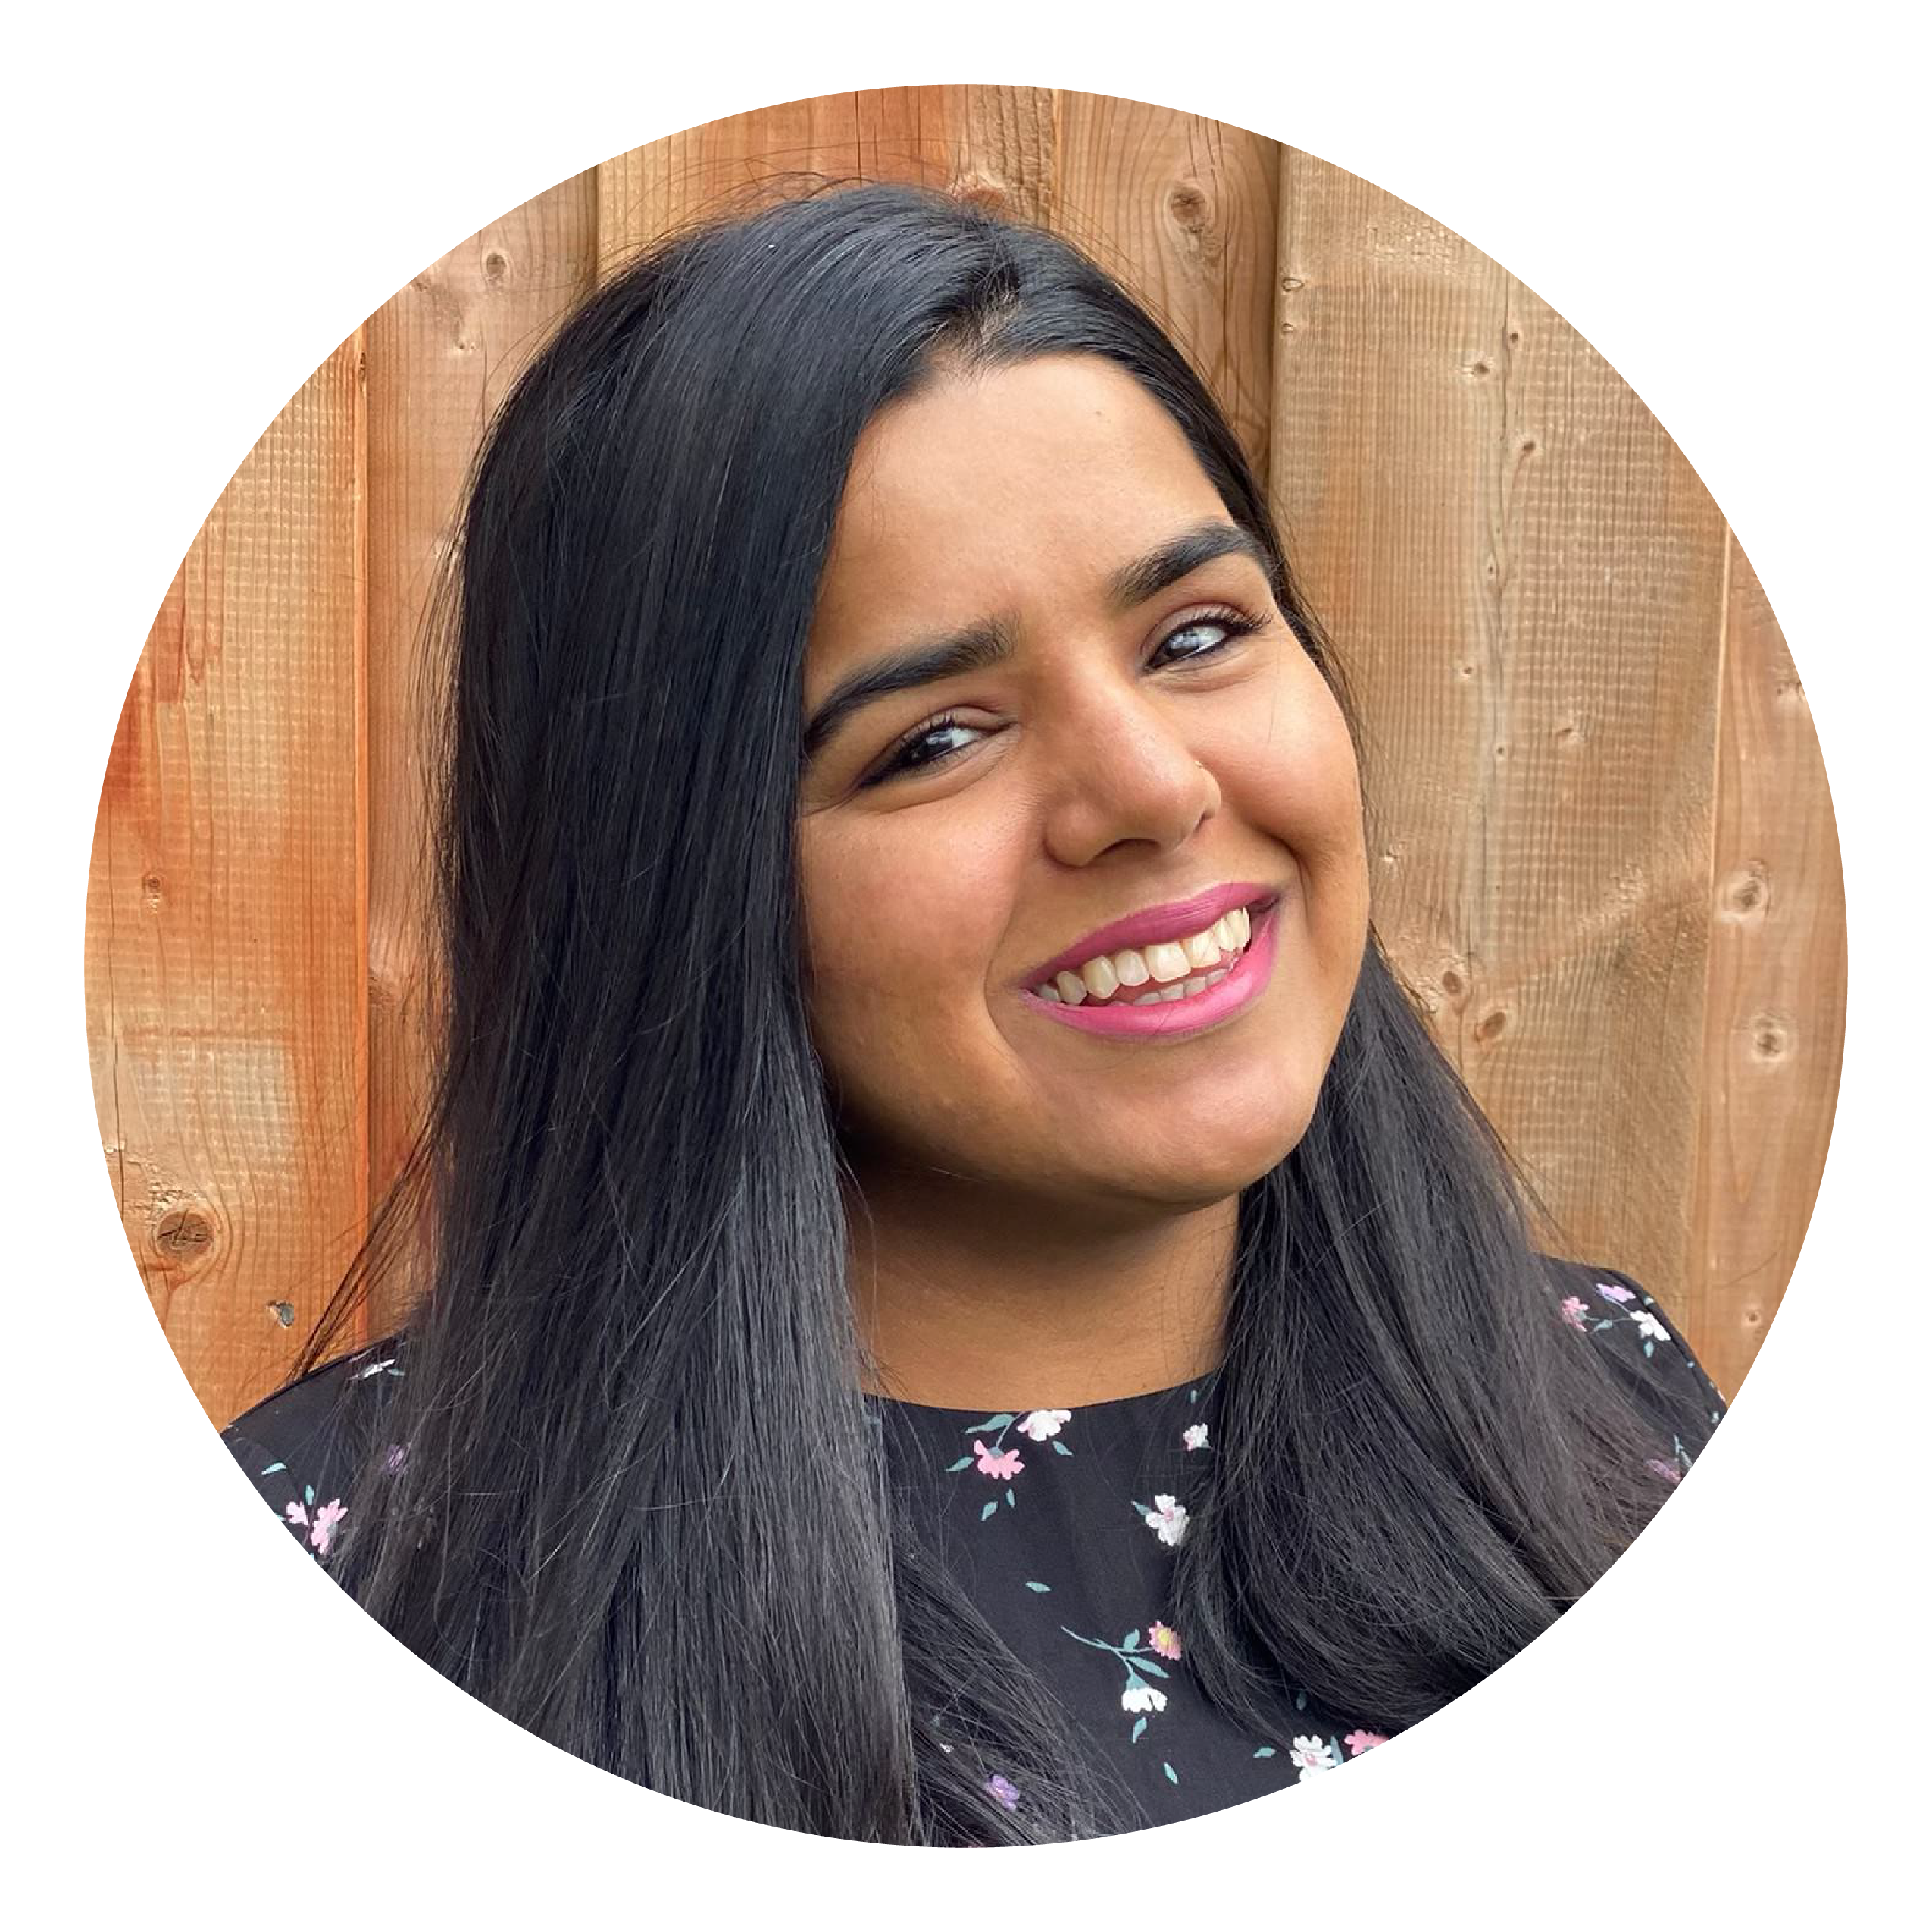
(1122, 772)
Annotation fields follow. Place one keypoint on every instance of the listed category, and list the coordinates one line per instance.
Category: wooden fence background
(1604, 849)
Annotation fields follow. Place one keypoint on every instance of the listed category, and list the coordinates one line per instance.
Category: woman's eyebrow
(990, 641)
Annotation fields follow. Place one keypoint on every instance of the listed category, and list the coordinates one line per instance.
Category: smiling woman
(929, 1167)
(1137, 727)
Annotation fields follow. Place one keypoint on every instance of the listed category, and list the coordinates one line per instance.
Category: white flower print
(1041, 1423)
(1168, 1519)
(1648, 1326)
(1314, 1764)
(1143, 1697)
(1194, 1436)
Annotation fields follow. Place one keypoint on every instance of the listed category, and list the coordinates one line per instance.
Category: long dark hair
(627, 1183)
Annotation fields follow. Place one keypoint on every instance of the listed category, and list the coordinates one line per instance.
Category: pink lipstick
(1175, 920)
(1169, 1019)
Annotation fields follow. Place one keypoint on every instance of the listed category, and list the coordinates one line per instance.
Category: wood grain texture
(226, 936)
(1601, 842)
(1525, 580)
(993, 146)
(1182, 211)
(1774, 1006)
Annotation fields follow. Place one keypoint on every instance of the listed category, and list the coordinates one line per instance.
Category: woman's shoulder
(302, 1446)
(313, 1404)
(1641, 1337)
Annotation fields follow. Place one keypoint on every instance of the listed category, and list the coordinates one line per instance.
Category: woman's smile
(1181, 1007)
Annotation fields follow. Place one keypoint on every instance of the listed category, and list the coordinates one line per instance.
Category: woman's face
(1126, 750)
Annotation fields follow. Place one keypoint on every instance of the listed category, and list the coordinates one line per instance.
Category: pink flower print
(1168, 1519)
(1359, 1741)
(321, 1526)
(1005, 1467)
(1164, 1641)
(326, 1517)
(1669, 1471)
(1041, 1423)
(1573, 1310)
(1006, 1790)
(1615, 1291)
(1194, 1436)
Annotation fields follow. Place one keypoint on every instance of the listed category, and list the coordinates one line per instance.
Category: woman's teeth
(1174, 968)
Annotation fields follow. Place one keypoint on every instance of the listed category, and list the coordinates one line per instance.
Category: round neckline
(1149, 1398)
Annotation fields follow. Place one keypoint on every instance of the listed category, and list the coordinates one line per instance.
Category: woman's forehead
(1037, 427)
(1040, 479)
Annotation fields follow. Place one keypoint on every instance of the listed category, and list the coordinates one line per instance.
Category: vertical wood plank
(442, 354)
(1775, 1011)
(645, 192)
(1182, 211)
(1525, 580)
(226, 942)
(1527, 584)
(989, 144)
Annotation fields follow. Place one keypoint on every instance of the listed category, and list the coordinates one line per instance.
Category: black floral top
(1062, 1525)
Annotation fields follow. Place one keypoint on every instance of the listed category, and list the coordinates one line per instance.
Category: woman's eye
(908, 755)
